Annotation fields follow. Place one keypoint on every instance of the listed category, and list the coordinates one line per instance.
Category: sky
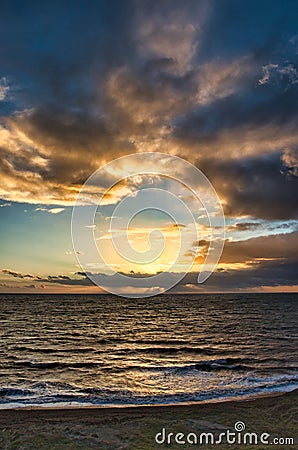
(83, 83)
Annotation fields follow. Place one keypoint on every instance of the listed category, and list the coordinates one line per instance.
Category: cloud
(79, 279)
(17, 274)
(258, 186)
(276, 247)
(244, 226)
(265, 273)
(4, 88)
(219, 78)
(177, 38)
(56, 210)
(266, 73)
(193, 78)
(248, 253)
(177, 79)
(247, 124)
(262, 273)
(290, 160)
(272, 73)
(51, 211)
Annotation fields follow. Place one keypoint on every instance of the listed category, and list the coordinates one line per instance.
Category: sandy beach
(136, 427)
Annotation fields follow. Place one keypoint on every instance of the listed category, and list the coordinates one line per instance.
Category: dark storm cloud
(258, 186)
(196, 78)
(254, 35)
(254, 107)
(279, 247)
(53, 50)
(264, 273)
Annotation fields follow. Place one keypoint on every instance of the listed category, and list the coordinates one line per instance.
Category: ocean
(80, 350)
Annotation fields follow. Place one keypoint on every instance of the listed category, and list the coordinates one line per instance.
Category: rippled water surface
(106, 350)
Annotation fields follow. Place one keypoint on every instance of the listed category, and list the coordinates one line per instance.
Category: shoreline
(116, 407)
(136, 427)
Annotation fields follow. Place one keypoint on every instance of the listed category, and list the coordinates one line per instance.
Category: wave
(147, 350)
(53, 349)
(181, 349)
(240, 364)
(236, 364)
(55, 364)
(70, 395)
(15, 392)
(174, 350)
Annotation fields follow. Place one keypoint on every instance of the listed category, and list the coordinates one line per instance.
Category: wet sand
(136, 427)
